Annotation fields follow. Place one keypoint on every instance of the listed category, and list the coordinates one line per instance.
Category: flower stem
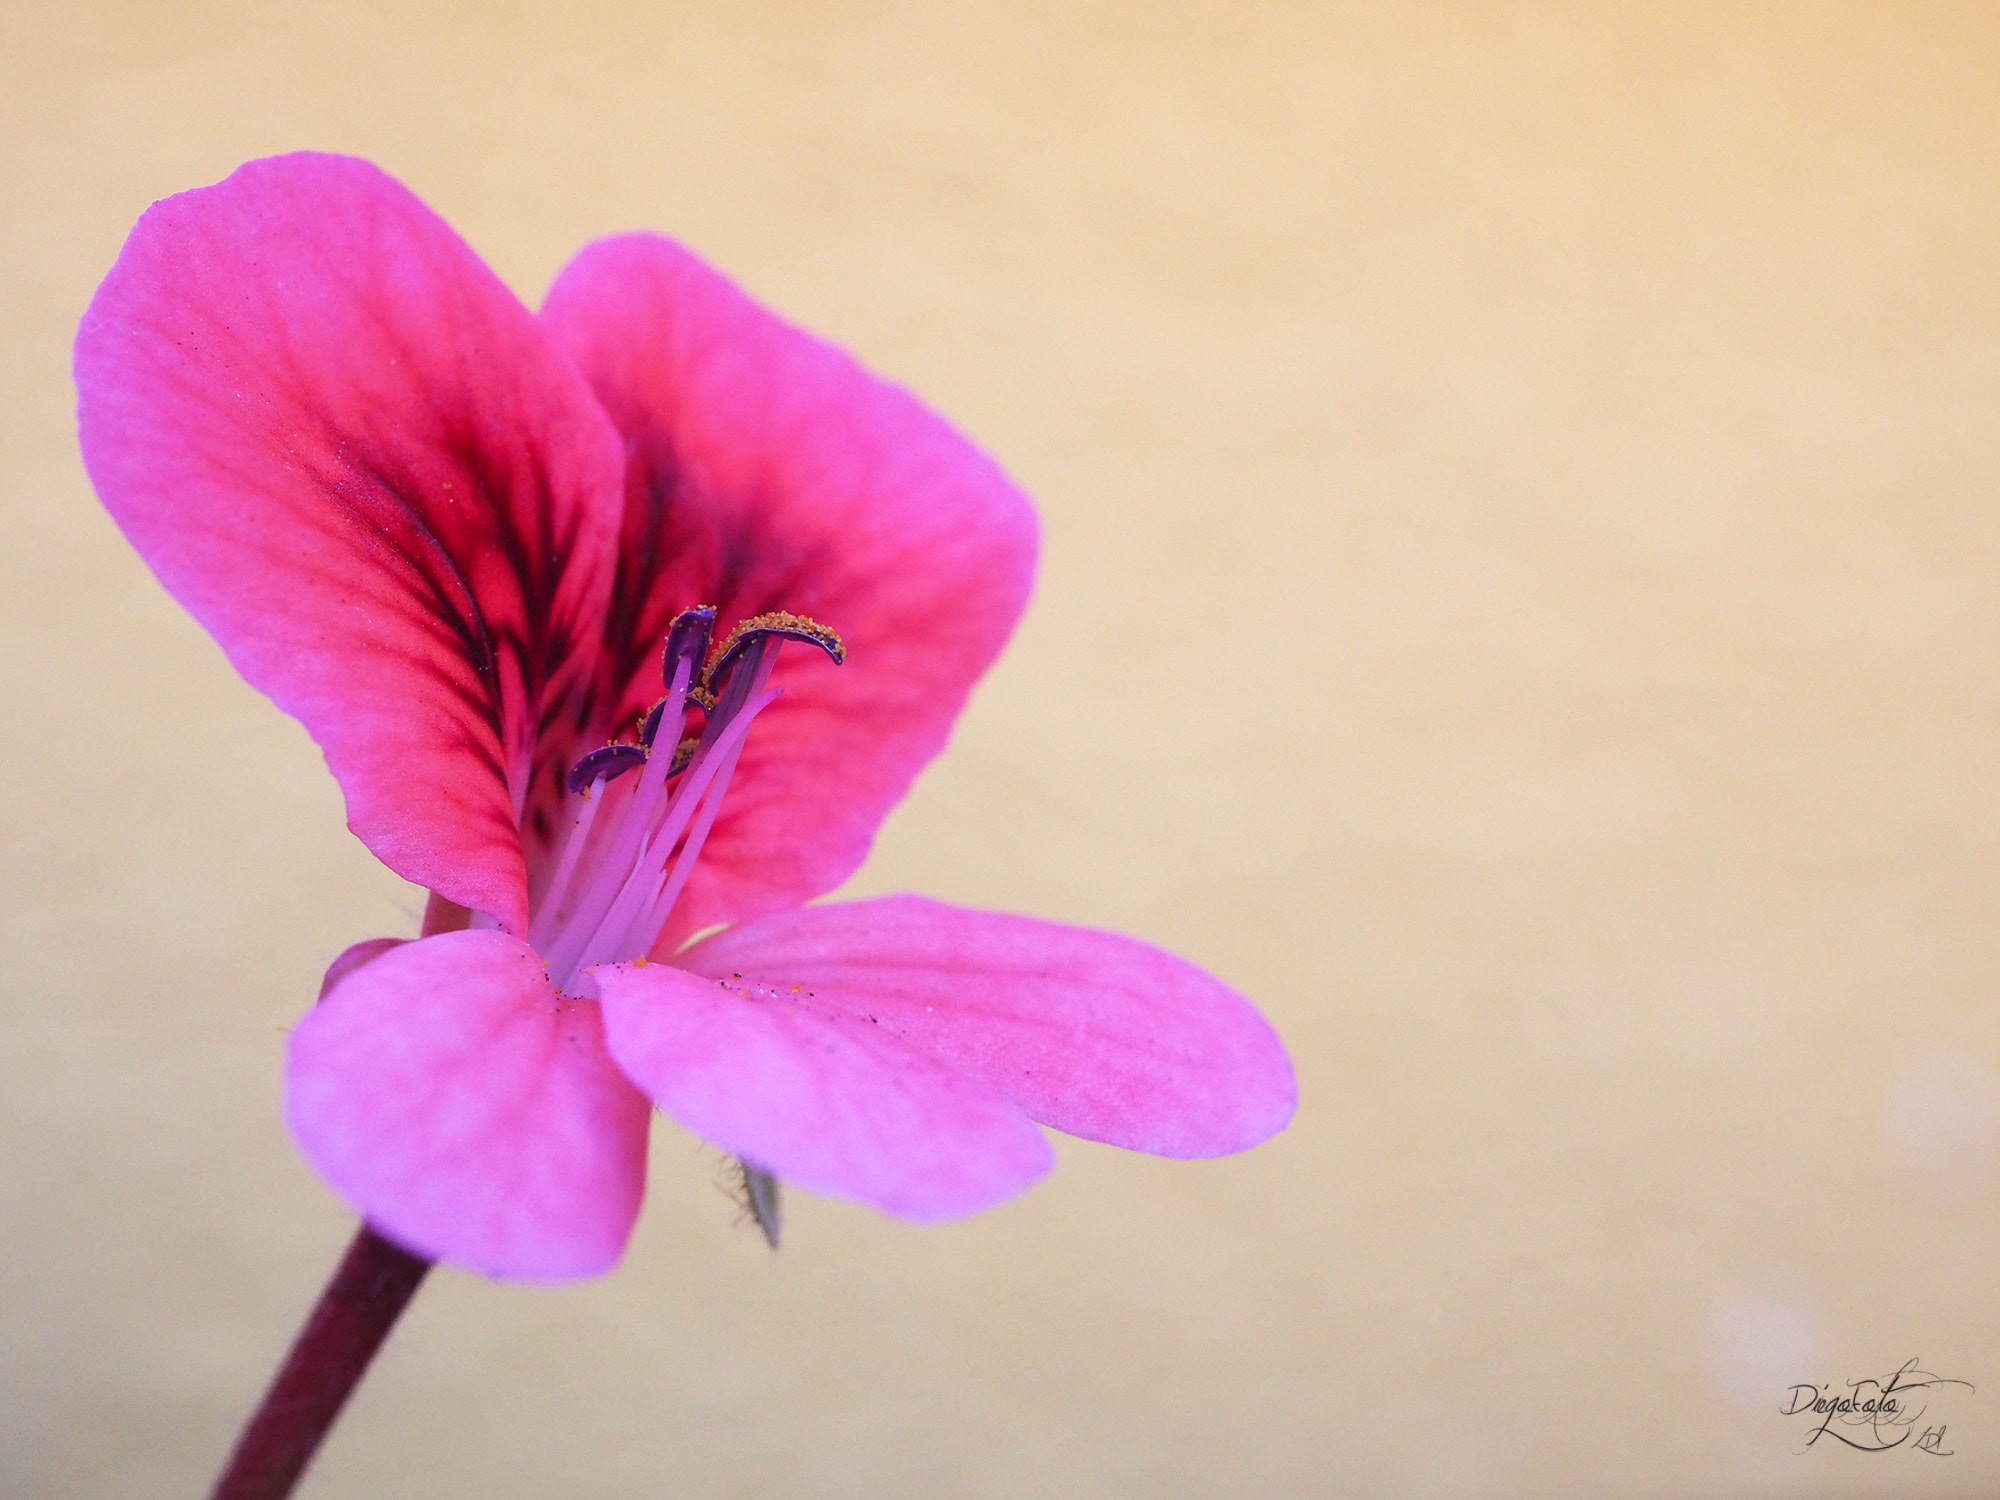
(374, 1283)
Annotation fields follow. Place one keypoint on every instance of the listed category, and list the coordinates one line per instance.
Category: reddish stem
(374, 1283)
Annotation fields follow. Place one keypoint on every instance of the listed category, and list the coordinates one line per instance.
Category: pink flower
(452, 537)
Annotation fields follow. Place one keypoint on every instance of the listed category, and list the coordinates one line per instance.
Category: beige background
(1519, 602)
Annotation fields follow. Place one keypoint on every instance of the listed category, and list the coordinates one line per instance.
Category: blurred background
(1519, 485)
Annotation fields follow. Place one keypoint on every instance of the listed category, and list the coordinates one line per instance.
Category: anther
(758, 629)
(687, 638)
(607, 761)
(649, 727)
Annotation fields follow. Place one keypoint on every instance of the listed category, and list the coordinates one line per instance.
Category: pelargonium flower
(480, 554)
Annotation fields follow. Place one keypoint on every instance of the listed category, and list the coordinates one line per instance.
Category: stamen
(619, 861)
(543, 927)
(684, 754)
(758, 629)
(653, 916)
(607, 761)
(649, 727)
(687, 640)
(650, 853)
(613, 933)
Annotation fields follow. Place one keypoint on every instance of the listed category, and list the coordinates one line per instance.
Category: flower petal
(823, 1101)
(469, 1112)
(358, 461)
(1095, 1034)
(769, 471)
(356, 956)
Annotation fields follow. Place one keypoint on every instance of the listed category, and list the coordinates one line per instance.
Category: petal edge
(1092, 1033)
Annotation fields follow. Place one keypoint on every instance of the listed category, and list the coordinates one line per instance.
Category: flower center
(611, 893)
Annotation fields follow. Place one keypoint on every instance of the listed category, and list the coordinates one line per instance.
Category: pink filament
(639, 936)
(606, 933)
(543, 927)
(562, 943)
(656, 839)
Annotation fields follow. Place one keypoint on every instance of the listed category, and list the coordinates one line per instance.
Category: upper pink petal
(469, 1112)
(1090, 1032)
(769, 471)
(359, 462)
(823, 1100)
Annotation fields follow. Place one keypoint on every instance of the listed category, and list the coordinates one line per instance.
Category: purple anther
(608, 762)
(754, 633)
(650, 730)
(684, 754)
(687, 638)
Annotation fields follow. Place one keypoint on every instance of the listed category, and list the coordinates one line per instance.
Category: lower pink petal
(824, 1101)
(469, 1112)
(1089, 1032)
